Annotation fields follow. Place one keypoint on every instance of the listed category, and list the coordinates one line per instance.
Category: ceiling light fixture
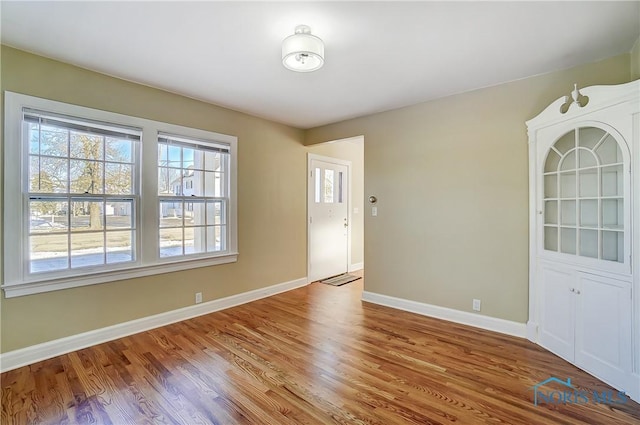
(302, 52)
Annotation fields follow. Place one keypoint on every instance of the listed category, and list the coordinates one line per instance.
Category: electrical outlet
(198, 297)
(476, 305)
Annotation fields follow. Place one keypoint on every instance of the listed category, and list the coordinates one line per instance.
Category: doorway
(328, 216)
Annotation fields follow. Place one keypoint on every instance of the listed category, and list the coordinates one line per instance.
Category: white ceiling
(379, 55)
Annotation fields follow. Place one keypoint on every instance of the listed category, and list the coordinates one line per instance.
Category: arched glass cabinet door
(584, 196)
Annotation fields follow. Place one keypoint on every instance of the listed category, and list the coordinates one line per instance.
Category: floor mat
(341, 279)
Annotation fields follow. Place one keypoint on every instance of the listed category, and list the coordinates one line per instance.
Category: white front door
(328, 208)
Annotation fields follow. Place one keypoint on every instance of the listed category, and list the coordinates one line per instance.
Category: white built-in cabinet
(584, 288)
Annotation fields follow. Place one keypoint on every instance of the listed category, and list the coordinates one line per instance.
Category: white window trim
(148, 262)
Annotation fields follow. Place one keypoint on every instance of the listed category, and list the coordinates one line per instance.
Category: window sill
(20, 289)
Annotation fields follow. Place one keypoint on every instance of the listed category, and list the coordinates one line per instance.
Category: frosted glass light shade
(302, 52)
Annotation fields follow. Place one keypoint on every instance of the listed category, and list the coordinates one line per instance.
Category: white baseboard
(35, 353)
(472, 319)
(634, 393)
(356, 266)
(532, 331)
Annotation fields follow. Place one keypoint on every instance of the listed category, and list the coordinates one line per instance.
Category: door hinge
(310, 220)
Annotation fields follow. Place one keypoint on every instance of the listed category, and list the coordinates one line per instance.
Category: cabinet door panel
(557, 319)
(603, 328)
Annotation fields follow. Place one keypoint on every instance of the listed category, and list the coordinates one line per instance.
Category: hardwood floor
(315, 355)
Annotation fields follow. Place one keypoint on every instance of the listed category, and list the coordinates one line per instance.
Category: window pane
(210, 184)
(198, 159)
(215, 240)
(613, 246)
(569, 161)
(612, 180)
(188, 158)
(194, 214)
(163, 155)
(170, 213)
(119, 215)
(586, 159)
(48, 253)
(588, 137)
(118, 179)
(48, 175)
(551, 238)
(118, 150)
(86, 146)
(568, 185)
(551, 212)
(169, 181)
(195, 180)
(589, 243)
(119, 247)
(568, 240)
(589, 213)
(87, 249)
(174, 156)
(568, 212)
(340, 187)
(170, 242)
(86, 215)
(328, 186)
(212, 161)
(215, 213)
(588, 183)
(46, 224)
(214, 184)
(86, 176)
(48, 216)
(609, 151)
(566, 142)
(194, 240)
(318, 185)
(612, 213)
(552, 162)
(551, 186)
(53, 141)
(32, 130)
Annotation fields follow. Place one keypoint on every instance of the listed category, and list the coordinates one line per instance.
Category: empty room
(320, 212)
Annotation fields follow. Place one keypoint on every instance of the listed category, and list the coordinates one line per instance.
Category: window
(104, 197)
(327, 189)
(81, 193)
(192, 222)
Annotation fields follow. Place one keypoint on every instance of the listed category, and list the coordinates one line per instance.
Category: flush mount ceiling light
(302, 52)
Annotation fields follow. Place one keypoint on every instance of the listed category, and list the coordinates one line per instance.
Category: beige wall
(350, 150)
(271, 203)
(451, 177)
(635, 60)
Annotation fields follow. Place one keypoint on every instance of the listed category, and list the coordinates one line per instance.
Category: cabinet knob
(572, 289)
(577, 291)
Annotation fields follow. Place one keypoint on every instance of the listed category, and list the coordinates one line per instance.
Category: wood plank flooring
(315, 355)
